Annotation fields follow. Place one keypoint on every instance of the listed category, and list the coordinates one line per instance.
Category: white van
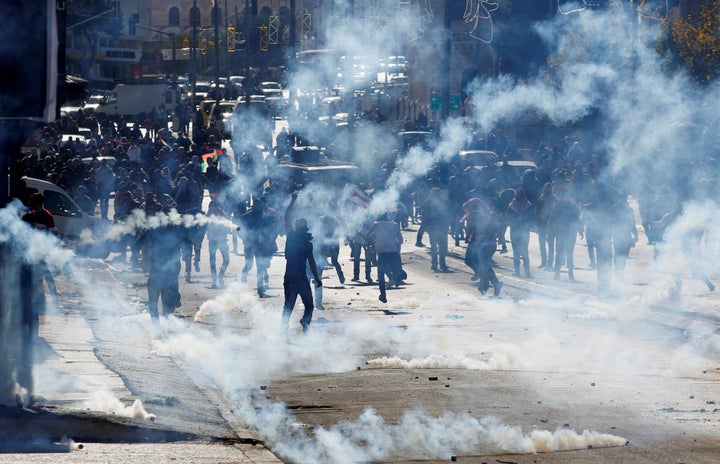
(70, 219)
(133, 99)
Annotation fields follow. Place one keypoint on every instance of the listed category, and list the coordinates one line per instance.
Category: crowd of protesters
(560, 198)
(147, 167)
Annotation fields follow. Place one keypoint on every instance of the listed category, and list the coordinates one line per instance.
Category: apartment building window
(174, 16)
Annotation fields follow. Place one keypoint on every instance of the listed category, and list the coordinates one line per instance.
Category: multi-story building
(158, 36)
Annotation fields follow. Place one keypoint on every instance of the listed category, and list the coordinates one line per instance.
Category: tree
(92, 19)
(697, 44)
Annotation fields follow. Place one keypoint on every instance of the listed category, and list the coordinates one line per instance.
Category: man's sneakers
(496, 288)
(382, 298)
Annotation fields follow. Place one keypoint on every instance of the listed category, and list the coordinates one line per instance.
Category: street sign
(454, 102)
(435, 102)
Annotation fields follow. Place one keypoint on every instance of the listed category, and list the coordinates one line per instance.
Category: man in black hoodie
(298, 254)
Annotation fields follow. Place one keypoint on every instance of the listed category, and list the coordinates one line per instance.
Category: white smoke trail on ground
(105, 401)
(260, 356)
(421, 436)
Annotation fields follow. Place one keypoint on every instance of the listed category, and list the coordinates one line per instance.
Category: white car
(237, 80)
(270, 88)
(71, 221)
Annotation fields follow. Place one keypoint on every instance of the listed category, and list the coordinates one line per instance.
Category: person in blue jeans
(387, 239)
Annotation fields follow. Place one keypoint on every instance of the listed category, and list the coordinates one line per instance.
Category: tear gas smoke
(138, 221)
(599, 69)
(420, 436)
(13, 394)
(105, 401)
(35, 246)
(259, 356)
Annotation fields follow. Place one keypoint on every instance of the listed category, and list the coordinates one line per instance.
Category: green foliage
(696, 44)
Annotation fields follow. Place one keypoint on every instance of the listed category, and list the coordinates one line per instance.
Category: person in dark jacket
(546, 241)
(564, 223)
(625, 234)
(481, 225)
(520, 216)
(298, 255)
(436, 216)
(217, 242)
(162, 245)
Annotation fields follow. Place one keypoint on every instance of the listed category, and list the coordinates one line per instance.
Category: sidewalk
(64, 421)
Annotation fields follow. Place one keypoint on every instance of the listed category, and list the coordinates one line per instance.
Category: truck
(134, 99)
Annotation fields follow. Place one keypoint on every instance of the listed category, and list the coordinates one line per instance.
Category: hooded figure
(298, 256)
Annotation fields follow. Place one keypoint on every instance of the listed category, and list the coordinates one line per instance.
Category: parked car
(237, 80)
(409, 139)
(225, 113)
(77, 138)
(71, 221)
(270, 88)
(93, 161)
(511, 170)
(308, 165)
(202, 90)
(467, 158)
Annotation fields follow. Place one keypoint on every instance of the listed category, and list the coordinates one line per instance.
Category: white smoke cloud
(603, 69)
(105, 401)
(421, 436)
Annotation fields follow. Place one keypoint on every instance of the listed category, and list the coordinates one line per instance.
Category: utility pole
(247, 53)
(216, 22)
(227, 54)
(447, 42)
(292, 59)
(193, 54)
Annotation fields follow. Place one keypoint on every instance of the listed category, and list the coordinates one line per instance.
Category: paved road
(445, 371)
(440, 371)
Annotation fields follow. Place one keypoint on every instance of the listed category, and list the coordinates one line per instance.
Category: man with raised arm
(298, 254)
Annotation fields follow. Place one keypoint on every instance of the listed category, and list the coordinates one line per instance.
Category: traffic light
(231, 40)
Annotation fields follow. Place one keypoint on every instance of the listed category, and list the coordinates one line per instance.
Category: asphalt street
(547, 372)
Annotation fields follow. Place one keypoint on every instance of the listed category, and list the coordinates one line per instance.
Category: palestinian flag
(215, 154)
